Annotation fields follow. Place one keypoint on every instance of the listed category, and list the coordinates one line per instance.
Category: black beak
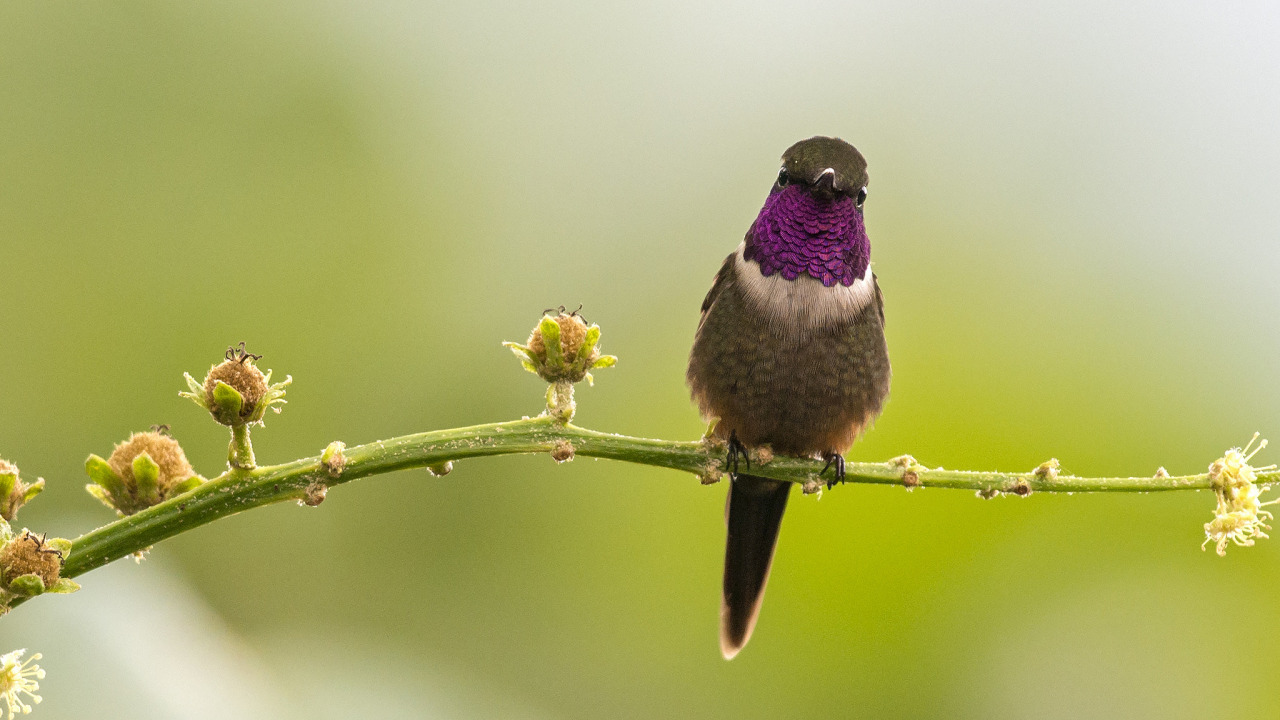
(825, 185)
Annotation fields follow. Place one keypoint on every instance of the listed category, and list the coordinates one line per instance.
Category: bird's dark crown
(806, 161)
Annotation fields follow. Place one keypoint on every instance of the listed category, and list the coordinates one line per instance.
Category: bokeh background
(1074, 218)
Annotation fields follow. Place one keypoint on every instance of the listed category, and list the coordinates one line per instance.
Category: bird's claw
(737, 453)
(833, 460)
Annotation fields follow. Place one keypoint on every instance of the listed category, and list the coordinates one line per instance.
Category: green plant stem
(240, 453)
(240, 489)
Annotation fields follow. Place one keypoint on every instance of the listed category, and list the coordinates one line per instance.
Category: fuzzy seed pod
(144, 470)
(572, 332)
(562, 348)
(235, 391)
(243, 377)
(27, 554)
(163, 450)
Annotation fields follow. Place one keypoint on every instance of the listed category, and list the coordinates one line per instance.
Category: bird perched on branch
(789, 353)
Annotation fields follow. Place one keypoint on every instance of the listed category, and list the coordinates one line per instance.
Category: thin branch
(240, 489)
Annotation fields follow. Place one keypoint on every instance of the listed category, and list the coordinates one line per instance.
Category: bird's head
(828, 168)
(811, 223)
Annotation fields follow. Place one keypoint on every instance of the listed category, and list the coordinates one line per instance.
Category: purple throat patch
(797, 234)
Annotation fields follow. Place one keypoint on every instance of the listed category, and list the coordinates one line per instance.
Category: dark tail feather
(754, 514)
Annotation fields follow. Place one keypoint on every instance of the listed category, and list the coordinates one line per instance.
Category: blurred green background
(1073, 210)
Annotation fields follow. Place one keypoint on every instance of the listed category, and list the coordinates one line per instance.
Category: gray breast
(787, 362)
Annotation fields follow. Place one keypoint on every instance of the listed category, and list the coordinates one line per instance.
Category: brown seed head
(164, 451)
(247, 380)
(27, 554)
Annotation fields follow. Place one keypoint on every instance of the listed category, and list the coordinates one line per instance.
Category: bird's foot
(835, 460)
(737, 453)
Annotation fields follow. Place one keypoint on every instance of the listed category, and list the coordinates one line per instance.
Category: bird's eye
(783, 178)
(862, 197)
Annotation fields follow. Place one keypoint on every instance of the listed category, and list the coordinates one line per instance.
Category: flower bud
(14, 493)
(334, 459)
(144, 470)
(562, 348)
(235, 391)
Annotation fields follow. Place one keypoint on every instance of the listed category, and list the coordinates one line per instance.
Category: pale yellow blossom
(18, 678)
(1239, 517)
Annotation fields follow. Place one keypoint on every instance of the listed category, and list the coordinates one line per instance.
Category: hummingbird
(789, 353)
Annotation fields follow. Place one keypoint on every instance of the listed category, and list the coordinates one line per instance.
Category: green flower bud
(144, 470)
(562, 348)
(333, 458)
(235, 391)
(14, 493)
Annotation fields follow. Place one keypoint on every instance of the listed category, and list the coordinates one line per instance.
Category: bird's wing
(722, 278)
(879, 299)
